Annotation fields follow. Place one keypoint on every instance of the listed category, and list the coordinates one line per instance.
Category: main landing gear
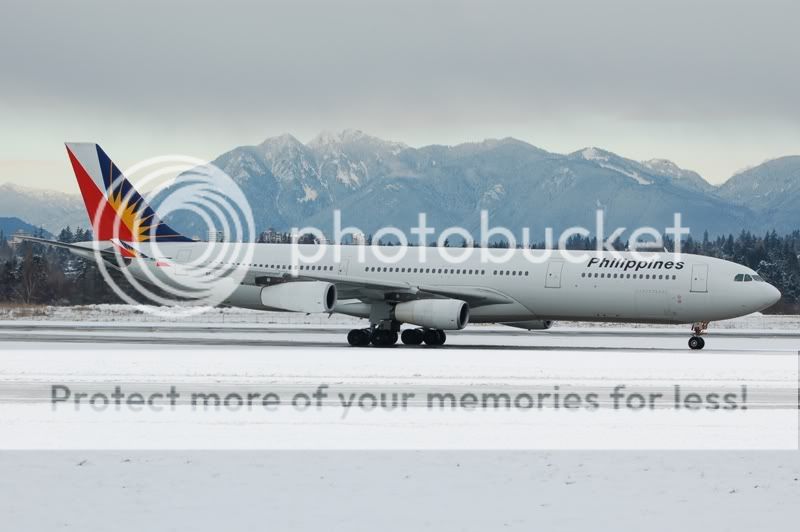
(386, 337)
(696, 342)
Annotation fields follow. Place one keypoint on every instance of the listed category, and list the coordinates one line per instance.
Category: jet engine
(300, 296)
(446, 314)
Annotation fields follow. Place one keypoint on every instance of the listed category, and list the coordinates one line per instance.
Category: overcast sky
(713, 85)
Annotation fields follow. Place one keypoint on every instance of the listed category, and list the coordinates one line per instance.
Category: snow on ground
(93, 490)
(399, 491)
(133, 314)
(360, 409)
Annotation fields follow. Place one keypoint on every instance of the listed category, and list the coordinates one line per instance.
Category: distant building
(270, 236)
(216, 236)
(359, 239)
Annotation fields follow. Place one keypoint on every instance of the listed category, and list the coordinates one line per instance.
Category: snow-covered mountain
(11, 225)
(375, 182)
(42, 208)
(772, 189)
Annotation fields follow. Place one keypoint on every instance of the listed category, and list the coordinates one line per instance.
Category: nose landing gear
(696, 342)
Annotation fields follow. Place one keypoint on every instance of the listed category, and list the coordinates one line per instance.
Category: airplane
(434, 295)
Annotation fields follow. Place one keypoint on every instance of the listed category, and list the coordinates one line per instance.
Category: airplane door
(699, 278)
(343, 267)
(553, 279)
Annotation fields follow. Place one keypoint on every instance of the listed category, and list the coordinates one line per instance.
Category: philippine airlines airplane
(433, 295)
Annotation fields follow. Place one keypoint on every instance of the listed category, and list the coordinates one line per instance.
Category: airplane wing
(369, 290)
(82, 250)
(353, 287)
(114, 256)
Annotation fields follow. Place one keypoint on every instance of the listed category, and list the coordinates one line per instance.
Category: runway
(105, 385)
(242, 359)
(474, 337)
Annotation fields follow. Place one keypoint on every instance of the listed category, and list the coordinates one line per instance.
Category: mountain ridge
(378, 182)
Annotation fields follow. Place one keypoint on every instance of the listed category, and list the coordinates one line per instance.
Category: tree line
(33, 273)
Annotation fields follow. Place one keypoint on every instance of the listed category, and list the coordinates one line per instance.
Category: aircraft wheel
(696, 342)
(358, 337)
(434, 337)
(381, 338)
(412, 336)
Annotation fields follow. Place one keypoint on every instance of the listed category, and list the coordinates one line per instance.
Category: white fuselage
(530, 285)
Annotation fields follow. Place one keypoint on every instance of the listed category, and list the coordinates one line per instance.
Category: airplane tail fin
(115, 208)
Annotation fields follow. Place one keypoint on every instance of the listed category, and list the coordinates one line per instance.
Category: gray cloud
(412, 69)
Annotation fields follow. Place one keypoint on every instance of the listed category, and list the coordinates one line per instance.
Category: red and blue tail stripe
(116, 209)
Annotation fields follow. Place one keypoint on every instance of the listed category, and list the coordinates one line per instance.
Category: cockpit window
(747, 277)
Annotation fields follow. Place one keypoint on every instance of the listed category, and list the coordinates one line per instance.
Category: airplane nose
(774, 295)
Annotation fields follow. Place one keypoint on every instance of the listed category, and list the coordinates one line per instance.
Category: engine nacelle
(532, 325)
(447, 314)
(300, 296)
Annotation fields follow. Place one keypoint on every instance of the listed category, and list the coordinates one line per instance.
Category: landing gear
(383, 338)
(413, 336)
(377, 337)
(388, 337)
(696, 342)
(434, 337)
(359, 337)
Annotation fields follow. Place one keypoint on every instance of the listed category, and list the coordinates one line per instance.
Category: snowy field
(151, 472)
(400, 491)
(89, 351)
